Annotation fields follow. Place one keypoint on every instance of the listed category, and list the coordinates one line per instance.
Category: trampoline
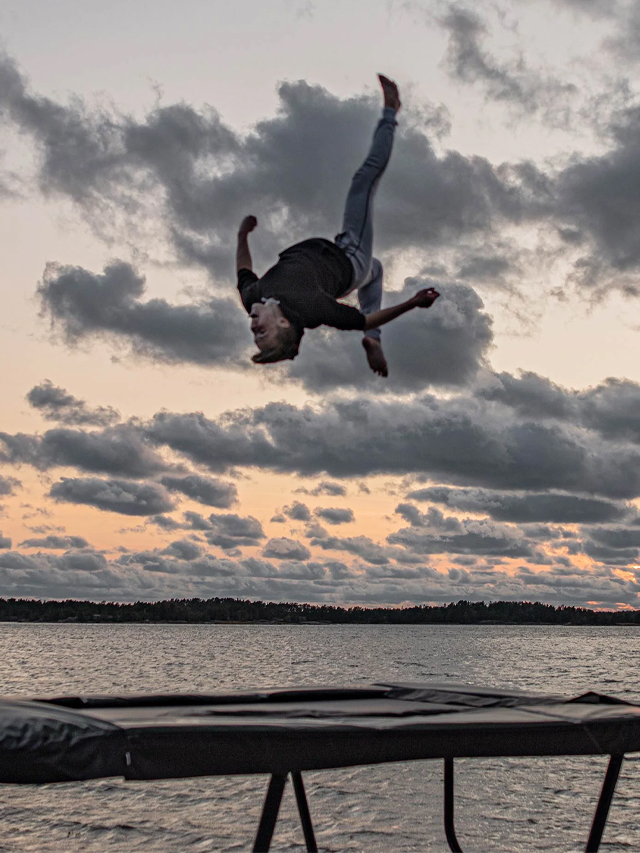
(284, 732)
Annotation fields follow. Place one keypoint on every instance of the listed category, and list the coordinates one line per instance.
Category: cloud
(183, 549)
(205, 490)
(5, 541)
(624, 43)
(56, 404)
(525, 508)
(176, 571)
(458, 440)
(597, 8)
(8, 485)
(512, 82)
(88, 561)
(180, 176)
(230, 531)
(445, 345)
(297, 512)
(182, 173)
(117, 450)
(434, 533)
(596, 197)
(335, 515)
(165, 522)
(324, 487)
(285, 549)
(119, 496)
(360, 546)
(611, 409)
(613, 545)
(53, 541)
(83, 305)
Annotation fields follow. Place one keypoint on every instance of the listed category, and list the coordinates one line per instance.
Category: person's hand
(425, 298)
(247, 224)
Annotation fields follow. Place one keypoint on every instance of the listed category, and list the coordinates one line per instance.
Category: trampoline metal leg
(602, 809)
(449, 827)
(269, 816)
(303, 811)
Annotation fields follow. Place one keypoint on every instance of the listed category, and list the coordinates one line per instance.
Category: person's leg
(370, 295)
(370, 299)
(356, 237)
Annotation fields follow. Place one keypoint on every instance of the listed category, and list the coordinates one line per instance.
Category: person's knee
(376, 269)
(374, 278)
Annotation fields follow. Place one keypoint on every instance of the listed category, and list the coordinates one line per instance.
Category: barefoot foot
(375, 356)
(390, 92)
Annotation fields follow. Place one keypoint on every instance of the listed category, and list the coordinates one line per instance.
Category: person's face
(265, 322)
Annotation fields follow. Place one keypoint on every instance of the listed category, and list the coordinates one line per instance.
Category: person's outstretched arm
(422, 299)
(243, 255)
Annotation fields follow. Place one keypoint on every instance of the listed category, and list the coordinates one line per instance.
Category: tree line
(232, 610)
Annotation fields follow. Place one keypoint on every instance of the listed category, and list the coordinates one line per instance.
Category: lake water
(501, 805)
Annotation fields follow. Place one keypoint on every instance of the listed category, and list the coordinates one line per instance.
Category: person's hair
(286, 346)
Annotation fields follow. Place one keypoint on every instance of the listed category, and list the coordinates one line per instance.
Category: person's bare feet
(375, 356)
(390, 92)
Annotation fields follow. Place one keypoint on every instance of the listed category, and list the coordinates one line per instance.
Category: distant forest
(230, 610)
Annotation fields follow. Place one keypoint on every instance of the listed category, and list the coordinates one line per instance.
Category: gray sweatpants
(356, 237)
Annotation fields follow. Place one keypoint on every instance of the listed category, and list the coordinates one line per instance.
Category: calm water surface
(508, 805)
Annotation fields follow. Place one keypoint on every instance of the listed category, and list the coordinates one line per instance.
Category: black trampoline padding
(52, 739)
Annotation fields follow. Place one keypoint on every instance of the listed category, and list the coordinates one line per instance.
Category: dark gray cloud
(461, 440)
(525, 508)
(361, 546)
(5, 541)
(120, 496)
(433, 533)
(445, 345)
(530, 395)
(56, 404)
(228, 531)
(87, 561)
(597, 8)
(8, 485)
(117, 450)
(335, 515)
(18, 449)
(517, 434)
(81, 562)
(165, 522)
(617, 537)
(205, 490)
(596, 197)
(512, 82)
(176, 571)
(184, 175)
(611, 408)
(52, 541)
(184, 167)
(612, 545)
(324, 487)
(195, 521)
(183, 549)
(286, 549)
(297, 511)
(83, 304)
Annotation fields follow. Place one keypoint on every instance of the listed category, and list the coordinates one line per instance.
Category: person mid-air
(302, 290)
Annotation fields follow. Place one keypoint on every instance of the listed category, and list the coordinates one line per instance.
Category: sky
(143, 456)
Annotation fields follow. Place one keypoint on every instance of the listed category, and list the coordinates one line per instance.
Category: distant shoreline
(232, 611)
